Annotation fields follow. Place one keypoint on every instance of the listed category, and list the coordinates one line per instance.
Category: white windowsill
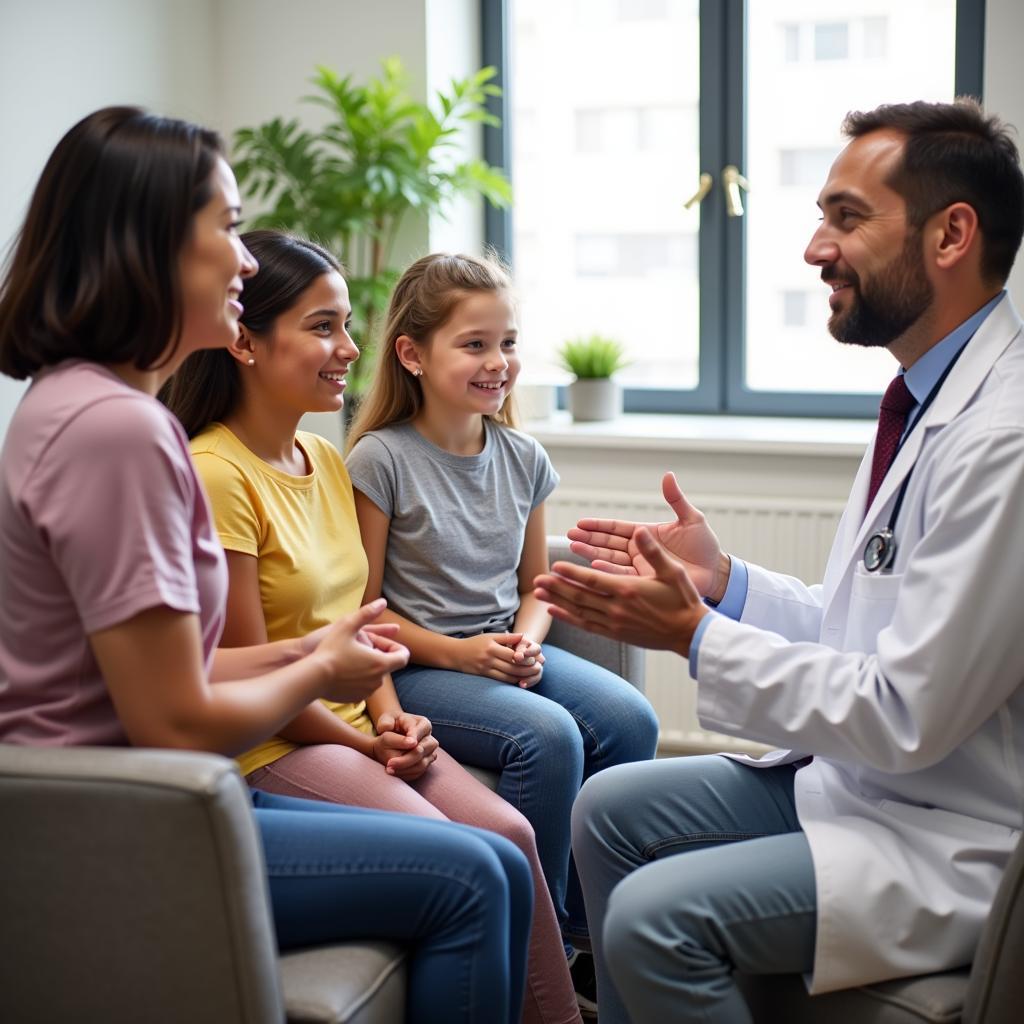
(725, 434)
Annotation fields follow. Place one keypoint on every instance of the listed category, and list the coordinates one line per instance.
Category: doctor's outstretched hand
(659, 608)
(611, 544)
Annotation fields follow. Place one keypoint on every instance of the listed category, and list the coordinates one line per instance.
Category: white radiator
(791, 536)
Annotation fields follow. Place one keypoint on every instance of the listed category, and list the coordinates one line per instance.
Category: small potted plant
(593, 360)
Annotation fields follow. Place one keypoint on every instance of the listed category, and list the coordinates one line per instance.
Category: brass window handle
(732, 182)
(703, 188)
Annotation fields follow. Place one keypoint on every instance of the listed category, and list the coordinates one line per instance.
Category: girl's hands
(357, 655)
(404, 745)
(528, 654)
(507, 657)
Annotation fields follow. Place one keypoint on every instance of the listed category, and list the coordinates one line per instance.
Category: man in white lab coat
(871, 847)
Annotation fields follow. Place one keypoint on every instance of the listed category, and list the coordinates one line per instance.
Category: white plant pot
(598, 398)
(536, 401)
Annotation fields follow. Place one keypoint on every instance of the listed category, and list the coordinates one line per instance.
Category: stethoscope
(880, 550)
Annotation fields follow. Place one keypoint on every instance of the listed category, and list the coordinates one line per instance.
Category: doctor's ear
(955, 233)
(408, 355)
(243, 348)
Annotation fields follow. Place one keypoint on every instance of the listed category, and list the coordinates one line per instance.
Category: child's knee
(556, 738)
(510, 823)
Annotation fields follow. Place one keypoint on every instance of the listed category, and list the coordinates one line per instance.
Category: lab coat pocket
(872, 603)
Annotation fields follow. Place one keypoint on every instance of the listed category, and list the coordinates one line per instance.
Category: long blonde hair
(423, 300)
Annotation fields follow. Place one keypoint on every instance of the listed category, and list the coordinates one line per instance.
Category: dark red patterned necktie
(892, 418)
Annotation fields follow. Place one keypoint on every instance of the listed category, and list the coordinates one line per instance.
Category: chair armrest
(133, 889)
(995, 992)
(621, 658)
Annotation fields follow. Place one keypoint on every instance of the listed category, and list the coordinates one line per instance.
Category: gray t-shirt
(457, 522)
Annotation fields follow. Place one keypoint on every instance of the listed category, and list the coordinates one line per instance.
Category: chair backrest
(132, 888)
(995, 992)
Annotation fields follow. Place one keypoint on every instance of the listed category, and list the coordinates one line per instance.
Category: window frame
(721, 240)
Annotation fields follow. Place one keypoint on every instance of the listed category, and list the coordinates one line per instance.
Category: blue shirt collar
(925, 373)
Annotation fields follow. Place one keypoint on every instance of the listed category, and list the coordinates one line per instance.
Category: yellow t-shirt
(305, 536)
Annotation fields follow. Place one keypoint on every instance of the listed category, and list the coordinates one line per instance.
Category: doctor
(872, 847)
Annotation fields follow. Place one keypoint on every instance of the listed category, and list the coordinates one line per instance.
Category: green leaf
(592, 357)
(377, 155)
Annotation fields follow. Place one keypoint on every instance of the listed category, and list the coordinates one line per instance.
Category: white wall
(224, 63)
(61, 59)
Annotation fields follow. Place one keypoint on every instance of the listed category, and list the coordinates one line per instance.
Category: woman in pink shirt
(113, 583)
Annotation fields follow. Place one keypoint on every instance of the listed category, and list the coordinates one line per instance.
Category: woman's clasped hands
(404, 744)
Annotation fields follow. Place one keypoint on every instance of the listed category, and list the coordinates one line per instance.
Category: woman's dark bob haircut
(94, 270)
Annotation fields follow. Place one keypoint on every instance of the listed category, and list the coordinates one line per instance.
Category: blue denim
(460, 898)
(692, 868)
(545, 742)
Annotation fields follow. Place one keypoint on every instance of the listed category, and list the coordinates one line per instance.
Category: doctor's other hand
(611, 545)
(659, 609)
(358, 654)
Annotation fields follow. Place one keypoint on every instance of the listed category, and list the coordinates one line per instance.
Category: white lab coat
(905, 686)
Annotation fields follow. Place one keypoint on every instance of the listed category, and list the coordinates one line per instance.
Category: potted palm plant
(381, 156)
(594, 394)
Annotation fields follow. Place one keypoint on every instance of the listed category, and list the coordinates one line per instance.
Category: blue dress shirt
(920, 379)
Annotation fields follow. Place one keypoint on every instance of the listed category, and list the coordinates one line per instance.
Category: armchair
(990, 991)
(132, 889)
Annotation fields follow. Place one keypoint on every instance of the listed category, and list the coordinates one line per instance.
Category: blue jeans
(545, 742)
(460, 898)
(692, 868)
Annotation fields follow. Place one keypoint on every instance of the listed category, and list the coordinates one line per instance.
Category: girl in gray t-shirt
(450, 498)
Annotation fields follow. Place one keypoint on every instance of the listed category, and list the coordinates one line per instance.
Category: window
(616, 108)
(831, 41)
(651, 129)
(794, 309)
(791, 43)
(635, 10)
(855, 39)
(807, 167)
(634, 255)
(875, 38)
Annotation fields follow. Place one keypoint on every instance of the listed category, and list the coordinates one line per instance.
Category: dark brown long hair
(207, 385)
(94, 271)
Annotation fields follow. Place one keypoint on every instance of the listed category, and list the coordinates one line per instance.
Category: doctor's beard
(896, 298)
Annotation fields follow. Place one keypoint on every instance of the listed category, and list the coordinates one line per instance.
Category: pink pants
(342, 775)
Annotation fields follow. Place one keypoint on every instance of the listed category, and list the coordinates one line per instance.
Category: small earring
(417, 372)
(251, 361)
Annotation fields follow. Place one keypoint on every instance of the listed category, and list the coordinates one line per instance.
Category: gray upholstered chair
(132, 889)
(990, 991)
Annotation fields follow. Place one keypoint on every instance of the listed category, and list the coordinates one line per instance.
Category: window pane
(604, 97)
(791, 43)
(876, 35)
(867, 52)
(831, 41)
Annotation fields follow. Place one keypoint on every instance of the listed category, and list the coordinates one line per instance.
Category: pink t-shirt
(101, 517)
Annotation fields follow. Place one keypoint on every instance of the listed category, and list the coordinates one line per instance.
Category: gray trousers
(692, 868)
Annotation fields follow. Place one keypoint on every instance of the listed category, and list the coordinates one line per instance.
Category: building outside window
(614, 108)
